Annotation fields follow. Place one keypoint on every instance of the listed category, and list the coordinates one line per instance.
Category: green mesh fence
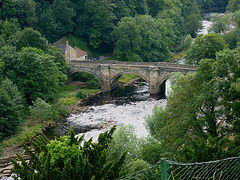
(226, 169)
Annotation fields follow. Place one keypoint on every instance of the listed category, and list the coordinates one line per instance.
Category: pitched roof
(79, 52)
(63, 48)
(59, 44)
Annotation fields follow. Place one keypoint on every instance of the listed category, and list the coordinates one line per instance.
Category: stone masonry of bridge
(109, 72)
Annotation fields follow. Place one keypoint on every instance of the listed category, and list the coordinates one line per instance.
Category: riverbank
(12, 145)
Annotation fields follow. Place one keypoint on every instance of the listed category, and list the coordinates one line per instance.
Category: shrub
(81, 94)
(40, 110)
(65, 158)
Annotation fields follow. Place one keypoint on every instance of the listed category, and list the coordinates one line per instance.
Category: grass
(127, 77)
(32, 128)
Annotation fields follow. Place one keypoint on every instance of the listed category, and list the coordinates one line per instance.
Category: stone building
(71, 53)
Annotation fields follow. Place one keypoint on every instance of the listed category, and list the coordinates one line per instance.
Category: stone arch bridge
(109, 72)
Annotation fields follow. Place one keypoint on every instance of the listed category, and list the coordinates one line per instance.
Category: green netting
(226, 169)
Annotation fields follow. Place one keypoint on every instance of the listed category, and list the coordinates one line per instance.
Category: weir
(108, 72)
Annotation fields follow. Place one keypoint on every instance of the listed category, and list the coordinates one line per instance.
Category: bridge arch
(83, 70)
(114, 80)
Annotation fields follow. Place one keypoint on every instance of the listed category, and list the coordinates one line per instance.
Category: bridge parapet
(127, 63)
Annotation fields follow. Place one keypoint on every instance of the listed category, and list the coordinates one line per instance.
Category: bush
(137, 165)
(81, 94)
(41, 110)
(65, 158)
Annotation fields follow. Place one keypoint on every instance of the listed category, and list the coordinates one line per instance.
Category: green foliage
(9, 27)
(221, 23)
(1, 69)
(81, 94)
(232, 38)
(205, 4)
(141, 38)
(102, 18)
(34, 72)
(192, 18)
(51, 21)
(174, 76)
(210, 149)
(59, 58)
(236, 18)
(85, 77)
(66, 158)
(155, 121)
(227, 70)
(23, 10)
(28, 38)
(2, 41)
(233, 5)
(151, 150)
(205, 47)
(40, 110)
(10, 108)
(124, 140)
(137, 165)
(193, 108)
(186, 43)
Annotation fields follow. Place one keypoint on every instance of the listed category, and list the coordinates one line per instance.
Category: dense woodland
(202, 119)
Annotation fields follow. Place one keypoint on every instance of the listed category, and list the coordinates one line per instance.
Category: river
(128, 105)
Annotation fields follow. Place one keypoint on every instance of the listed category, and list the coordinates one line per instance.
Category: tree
(102, 17)
(35, 73)
(233, 37)
(63, 20)
(66, 158)
(141, 38)
(233, 5)
(124, 139)
(175, 22)
(2, 41)
(9, 27)
(25, 13)
(227, 72)
(186, 43)
(191, 15)
(210, 149)
(205, 104)
(28, 38)
(236, 18)
(204, 47)
(40, 110)
(7, 9)
(1, 69)
(205, 4)
(11, 105)
(155, 6)
(221, 23)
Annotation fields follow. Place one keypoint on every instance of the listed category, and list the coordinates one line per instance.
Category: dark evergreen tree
(11, 105)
